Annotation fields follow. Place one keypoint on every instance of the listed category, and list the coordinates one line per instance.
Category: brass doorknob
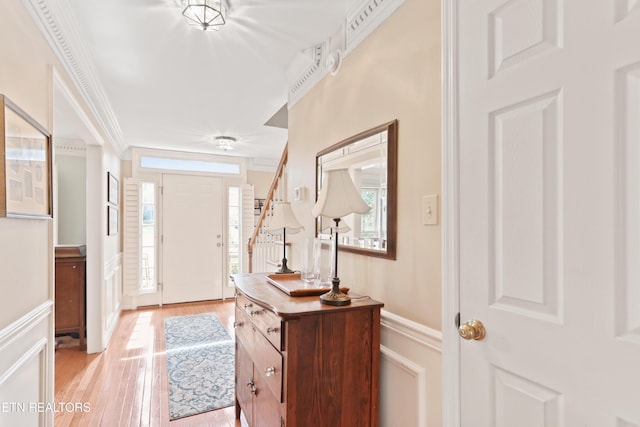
(472, 330)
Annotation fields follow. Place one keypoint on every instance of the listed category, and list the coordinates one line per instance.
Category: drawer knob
(269, 371)
(272, 330)
(237, 324)
(248, 305)
(255, 313)
(252, 386)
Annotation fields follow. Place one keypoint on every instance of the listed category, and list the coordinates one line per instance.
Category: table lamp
(338, 197)
(283, 221)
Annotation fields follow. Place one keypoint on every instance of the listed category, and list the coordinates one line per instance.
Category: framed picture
(112, 221)
(25, 164)
(113, 189)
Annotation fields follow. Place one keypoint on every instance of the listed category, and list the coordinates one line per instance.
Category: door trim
(450, 217)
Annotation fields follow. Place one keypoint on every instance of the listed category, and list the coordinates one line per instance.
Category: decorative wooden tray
(293, 285)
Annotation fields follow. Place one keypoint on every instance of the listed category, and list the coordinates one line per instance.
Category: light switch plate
(430, 209)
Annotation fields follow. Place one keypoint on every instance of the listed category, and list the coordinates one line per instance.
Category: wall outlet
(430, 209)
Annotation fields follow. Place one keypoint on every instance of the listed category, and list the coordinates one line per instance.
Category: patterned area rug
(200, 364)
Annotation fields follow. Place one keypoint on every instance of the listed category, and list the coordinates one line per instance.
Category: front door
(192, 244)
(549, 205)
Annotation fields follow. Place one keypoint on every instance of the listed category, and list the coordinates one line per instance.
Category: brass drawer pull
(272, 330)
(255, 313)
(237, 324)
(248, 305)
(252, 386)
(270, 371)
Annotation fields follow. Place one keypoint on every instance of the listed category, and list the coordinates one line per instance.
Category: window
(149, 227)
(234, 232)
(189, 165)
(369, 222)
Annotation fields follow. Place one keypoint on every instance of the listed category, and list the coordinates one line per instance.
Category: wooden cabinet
(70, 291)
(303, 363)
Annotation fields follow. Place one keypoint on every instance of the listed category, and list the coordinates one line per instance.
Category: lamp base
(284, 269)
(335, 296)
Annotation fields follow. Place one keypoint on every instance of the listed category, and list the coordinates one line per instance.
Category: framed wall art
(112, 221)
(25, 164)
(113, 189)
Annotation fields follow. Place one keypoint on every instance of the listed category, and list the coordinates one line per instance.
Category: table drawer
(266, 359)
(267, 364)
(266, 321)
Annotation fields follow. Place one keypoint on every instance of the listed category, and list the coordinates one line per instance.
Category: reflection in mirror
(371, 158)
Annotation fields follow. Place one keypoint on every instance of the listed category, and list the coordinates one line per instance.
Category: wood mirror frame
(381, 246)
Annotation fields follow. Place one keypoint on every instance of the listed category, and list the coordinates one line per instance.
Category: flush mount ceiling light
(225, 142)
(204, 14)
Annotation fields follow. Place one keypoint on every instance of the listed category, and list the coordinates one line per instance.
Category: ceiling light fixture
(204, 14)
(225, 142)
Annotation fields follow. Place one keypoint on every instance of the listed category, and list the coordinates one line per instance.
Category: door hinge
(281, 421)
(457, 320)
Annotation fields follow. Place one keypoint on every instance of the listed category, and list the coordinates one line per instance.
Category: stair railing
(263, 247)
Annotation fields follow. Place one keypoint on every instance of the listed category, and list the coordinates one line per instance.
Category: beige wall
(393, 74)
(261, 182)
(25, 245)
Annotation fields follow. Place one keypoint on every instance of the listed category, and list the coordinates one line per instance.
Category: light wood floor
(126, 385)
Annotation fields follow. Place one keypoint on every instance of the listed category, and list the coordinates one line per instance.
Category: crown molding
(56, 22)
(310, 76)
(358, 25)
(70, 147)
(366, 18)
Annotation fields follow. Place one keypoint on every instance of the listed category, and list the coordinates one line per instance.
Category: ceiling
(172, 86)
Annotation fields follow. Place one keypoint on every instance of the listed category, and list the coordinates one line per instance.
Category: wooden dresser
(300, 363)
(70, 291)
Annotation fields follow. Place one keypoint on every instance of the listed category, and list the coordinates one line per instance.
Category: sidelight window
(148, 217)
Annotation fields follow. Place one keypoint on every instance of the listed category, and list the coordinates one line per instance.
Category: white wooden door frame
(450, 218)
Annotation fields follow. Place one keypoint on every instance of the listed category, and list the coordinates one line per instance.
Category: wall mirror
(371, 158)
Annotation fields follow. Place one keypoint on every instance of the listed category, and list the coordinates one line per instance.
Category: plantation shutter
(131, 237)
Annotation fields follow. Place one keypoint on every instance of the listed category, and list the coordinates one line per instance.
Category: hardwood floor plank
(127, 385)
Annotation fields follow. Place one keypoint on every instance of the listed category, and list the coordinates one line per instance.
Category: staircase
(265, 251)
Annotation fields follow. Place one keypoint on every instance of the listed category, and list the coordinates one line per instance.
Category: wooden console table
(70, 291)
(303, 363)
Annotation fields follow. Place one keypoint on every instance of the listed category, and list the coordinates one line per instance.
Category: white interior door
(549, 205)
(192, 244)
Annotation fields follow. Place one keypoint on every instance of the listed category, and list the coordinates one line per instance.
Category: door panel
(549, 196)
(192, 246)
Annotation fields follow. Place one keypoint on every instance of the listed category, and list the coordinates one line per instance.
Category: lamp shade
(338, 196)
(283, 219)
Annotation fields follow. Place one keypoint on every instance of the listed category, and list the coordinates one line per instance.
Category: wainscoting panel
(112, 296)
(410, 373)
(26, 369)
